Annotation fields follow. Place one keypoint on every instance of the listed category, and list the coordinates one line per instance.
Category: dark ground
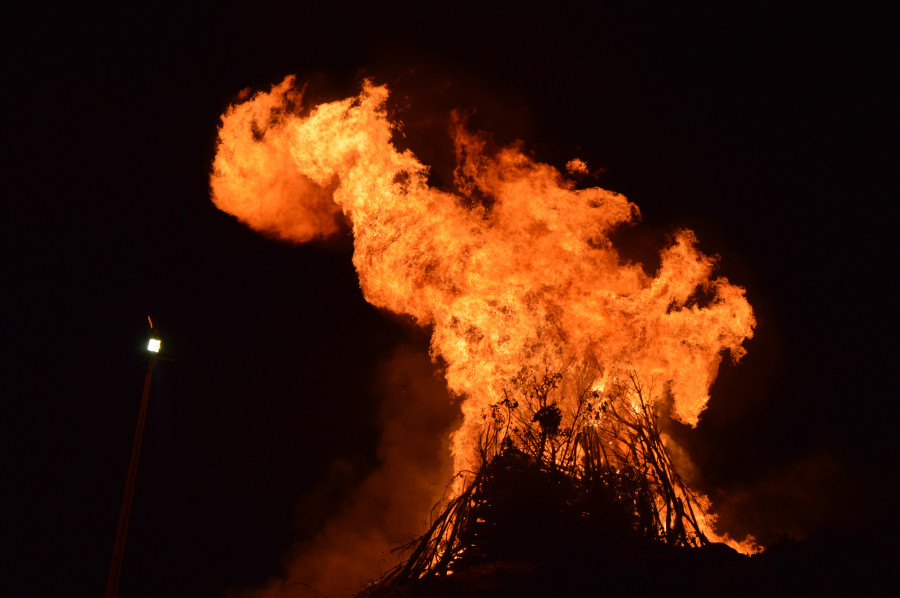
(824, 565)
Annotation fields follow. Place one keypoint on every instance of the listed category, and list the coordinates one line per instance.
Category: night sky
(768, 133)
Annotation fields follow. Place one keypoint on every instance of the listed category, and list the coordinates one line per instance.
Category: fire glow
(527, 281)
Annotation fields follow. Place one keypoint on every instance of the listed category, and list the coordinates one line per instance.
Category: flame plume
(514, 272)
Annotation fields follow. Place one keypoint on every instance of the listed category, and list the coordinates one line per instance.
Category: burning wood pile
(564, 350)
(574, 457)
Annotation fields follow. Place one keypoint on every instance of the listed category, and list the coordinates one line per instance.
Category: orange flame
(529, 279)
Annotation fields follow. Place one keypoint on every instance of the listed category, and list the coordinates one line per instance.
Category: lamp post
(115, 565)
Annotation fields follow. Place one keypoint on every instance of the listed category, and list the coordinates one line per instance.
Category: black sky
(768, 132)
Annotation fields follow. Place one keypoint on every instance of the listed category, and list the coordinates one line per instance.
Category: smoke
(387, 508)
(795, 500)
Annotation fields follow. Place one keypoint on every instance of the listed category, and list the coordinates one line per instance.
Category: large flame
(515, 270)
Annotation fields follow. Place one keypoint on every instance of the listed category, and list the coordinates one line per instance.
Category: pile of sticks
(576, 453)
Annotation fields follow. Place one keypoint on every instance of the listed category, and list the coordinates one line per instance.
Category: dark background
(768, 132)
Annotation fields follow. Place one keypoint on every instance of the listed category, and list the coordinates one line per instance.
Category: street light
(115, 565)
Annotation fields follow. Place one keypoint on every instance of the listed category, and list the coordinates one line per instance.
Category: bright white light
(153, 345)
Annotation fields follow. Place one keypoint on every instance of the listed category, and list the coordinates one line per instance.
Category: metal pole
(115, 565)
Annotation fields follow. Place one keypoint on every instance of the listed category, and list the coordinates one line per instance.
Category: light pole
(115, 565)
